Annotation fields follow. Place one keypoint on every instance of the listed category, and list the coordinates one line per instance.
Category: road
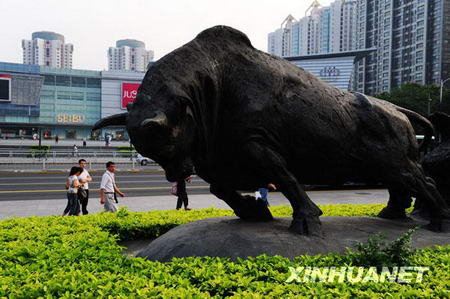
(34, 186)
(33, 194)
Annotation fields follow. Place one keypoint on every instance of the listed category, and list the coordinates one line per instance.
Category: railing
(50, 158)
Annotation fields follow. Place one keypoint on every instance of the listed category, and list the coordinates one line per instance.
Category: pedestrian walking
(75, 150)
(84, 142)
(56, 139)
(108, 188)
(182, 194)
(83, 192)
(72, 185)
(262, 193)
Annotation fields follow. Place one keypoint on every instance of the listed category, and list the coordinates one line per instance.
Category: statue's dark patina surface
(244, 119)
(437, 162)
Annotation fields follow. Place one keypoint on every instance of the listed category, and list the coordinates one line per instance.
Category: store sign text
(129, 92)
(329, 72)
(69, 118)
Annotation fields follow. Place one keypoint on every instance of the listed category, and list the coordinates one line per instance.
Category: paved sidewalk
(28, 208)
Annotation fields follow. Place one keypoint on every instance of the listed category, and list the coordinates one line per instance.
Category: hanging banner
(129, 92)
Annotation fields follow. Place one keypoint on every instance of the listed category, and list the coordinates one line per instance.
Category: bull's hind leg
(245, 207)
(416, 183)
(399, 201)
(272, 166)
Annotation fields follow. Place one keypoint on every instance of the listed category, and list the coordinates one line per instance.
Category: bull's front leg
(272, 166)
(245, 207)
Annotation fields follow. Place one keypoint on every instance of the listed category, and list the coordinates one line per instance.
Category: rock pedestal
(232, 237)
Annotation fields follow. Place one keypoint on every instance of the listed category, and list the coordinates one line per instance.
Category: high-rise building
(129, 55)
(47, 49)
(322, 30)
(342, 26)
(412, 38)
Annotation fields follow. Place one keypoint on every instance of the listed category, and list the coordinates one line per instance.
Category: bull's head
(161, 129)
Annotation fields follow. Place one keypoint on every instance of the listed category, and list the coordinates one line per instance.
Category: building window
(93, 83)
(62, 81)
(49, 80)
(78, 82)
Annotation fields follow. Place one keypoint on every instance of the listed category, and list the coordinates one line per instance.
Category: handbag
(115, 197)
(174, 189)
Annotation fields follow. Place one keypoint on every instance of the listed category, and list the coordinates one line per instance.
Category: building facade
(322, 30)
(58, 102)
(118, 88)
(47, 49)
(336, 69)
(62, 102)
(412, 38)
(129, 55)
(20, 88)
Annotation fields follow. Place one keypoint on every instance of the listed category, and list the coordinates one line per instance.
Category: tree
(415, 97)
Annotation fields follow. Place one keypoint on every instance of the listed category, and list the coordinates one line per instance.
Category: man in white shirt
(84, 178)
(108, 187)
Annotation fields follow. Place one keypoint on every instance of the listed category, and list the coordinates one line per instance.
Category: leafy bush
(72, 257)
(377, 253)
(37, 151)
(126, 149)
(40, 148)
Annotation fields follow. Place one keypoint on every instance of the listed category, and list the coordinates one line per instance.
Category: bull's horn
(113, 120)
(159, 119)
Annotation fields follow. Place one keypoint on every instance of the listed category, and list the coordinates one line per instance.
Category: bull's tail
(423, 122)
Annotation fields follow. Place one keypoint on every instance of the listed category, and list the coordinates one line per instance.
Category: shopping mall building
(37, 100)
(61, 102)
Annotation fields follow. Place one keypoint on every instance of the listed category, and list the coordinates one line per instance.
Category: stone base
(232, 237)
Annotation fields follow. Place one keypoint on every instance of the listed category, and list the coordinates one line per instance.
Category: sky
(93, 26)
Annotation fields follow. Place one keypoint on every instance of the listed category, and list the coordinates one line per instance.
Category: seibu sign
(129, 92)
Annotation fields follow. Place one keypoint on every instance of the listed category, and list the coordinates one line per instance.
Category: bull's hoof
(439, 225)
(253, 210)
(421, 214)
(308, 226)
(392, 213)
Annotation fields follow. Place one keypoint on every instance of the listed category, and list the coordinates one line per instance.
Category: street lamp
(442, 86)
(429, 104)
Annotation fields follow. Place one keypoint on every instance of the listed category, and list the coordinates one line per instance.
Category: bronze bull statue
(243, 119)
(436, 163)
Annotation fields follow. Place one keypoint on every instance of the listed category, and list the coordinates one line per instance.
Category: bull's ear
(189, 111)
(129, 106)
(186, 107)
(160, 119)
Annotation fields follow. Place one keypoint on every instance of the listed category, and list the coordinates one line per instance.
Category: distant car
(142, 160)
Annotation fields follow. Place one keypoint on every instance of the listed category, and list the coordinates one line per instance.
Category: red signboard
(129, 92)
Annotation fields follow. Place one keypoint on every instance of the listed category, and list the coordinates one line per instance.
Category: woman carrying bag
(72, 185)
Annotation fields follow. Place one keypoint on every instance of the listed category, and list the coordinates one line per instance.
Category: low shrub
(37, 151)
(126, 149)
(40, 148)
(79, 257)
(376, 253)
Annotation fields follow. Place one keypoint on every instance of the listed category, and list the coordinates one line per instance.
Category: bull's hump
(223, 33)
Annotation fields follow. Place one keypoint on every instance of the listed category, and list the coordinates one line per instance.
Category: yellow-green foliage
(79, 257)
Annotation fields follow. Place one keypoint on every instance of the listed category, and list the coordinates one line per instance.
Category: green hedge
(40, 148)
(79, 257)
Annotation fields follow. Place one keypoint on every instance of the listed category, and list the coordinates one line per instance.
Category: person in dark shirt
(182, 194)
